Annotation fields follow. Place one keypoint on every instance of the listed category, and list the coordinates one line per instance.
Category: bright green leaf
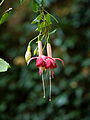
(3, 65)
(5, 16)
(35, 6)
(34, 21)
(42, 2)
(39, 17)
(39, 27)
(48, 19)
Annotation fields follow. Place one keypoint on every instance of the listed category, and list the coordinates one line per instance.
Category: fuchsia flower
(40, 60)
(45, 62)
(50, 62)
(40, 63)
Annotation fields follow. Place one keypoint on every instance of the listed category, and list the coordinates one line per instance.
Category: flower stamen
(50, 85)
(43, 86)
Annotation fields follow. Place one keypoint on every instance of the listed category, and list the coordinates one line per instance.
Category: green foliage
(37, 19)
(39, 2)
(5, 16)
(44, 21)
(48, 19)
(35, 6)
(3, 65)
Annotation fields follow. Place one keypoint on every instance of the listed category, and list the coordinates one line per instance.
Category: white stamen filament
(40, 54)
(43, 86)
(49, 53)
(50, 85)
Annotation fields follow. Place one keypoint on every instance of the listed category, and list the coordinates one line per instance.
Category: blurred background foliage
(21, 88)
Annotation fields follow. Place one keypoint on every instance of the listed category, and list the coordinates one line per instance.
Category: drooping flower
(40, 63)
(50, 64)
(40, 60)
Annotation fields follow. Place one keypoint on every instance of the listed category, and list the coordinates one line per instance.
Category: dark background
(21, 95)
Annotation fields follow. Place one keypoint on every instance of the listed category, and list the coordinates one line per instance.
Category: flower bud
(28, 54)
(36, 51)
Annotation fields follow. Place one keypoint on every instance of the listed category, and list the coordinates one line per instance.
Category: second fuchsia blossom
(51, 63)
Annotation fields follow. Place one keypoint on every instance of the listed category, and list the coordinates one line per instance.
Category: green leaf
(35, 6)
(39, 27)
(51, 16)
(42, 2)
(48, 19)
(36, 51)
(3, 65)
(36, 20)
(52, 32)
(5, 16)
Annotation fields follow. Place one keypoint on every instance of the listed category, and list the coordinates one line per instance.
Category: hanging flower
(40, 63)
(40, 60)
(50, 63)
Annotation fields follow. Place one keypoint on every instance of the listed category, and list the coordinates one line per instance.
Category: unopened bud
(28, 53)
(36, 51)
